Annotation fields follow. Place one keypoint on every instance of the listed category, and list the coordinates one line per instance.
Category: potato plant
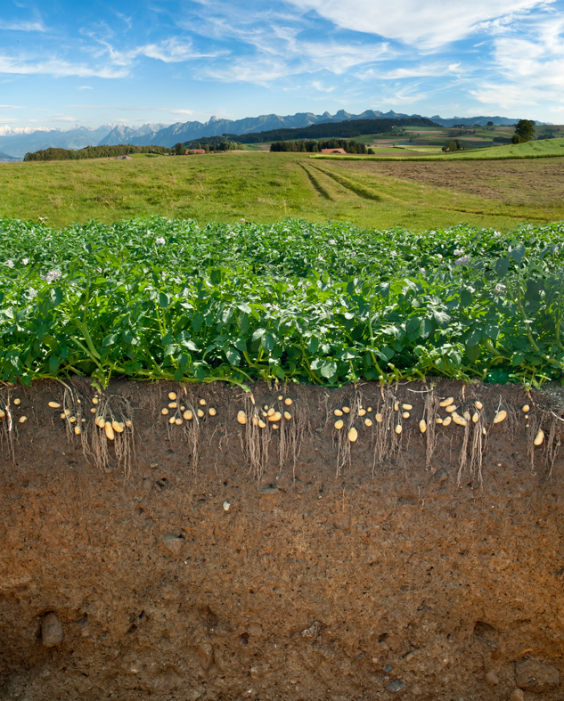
(295, 301)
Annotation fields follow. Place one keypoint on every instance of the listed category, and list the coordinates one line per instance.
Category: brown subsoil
(533, 181)
(216, 560)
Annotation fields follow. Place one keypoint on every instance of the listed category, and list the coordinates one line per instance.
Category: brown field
(531, 181)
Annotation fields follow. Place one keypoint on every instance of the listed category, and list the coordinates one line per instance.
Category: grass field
(547, 148)
(265, 188)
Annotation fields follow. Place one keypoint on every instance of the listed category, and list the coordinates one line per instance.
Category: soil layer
(212, 559)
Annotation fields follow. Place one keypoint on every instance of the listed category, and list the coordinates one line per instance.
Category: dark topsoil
(222, 561)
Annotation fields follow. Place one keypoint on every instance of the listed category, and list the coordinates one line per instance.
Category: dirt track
(367, 570)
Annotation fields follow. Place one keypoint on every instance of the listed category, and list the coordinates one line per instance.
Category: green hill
(532, 149)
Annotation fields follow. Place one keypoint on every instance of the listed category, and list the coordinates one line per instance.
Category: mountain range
(16, 143)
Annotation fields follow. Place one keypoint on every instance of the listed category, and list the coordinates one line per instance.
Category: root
(192, 427)
(343, 442)
(463, 459)
(291, 438)
(8, 430)
(430, 415)
(387, 441)
(95, 443)
(552, 445)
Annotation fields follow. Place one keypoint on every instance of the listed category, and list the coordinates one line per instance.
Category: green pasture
(256, 186)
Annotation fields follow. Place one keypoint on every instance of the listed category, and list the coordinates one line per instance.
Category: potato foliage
(295, 301)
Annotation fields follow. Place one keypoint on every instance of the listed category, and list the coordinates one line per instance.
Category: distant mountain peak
(16, 141)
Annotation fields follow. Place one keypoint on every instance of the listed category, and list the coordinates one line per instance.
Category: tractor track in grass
(366, 193)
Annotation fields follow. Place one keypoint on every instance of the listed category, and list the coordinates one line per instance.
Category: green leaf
(518, 253)
(233, 356)
(164, 300)
(465, 297)
(502, 266)
(268, 342)
(328, 369)
(258, 333)
(197, 322)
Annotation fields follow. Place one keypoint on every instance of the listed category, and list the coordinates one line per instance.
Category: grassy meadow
(264, 188)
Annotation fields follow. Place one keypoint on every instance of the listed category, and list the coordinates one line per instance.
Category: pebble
(51, 630)
(313, 631)
(532, 675)
(517, 695)
(173, 543)
(492, 679)
(396, 686)
(205, 653)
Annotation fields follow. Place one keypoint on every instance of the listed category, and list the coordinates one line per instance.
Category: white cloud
(22, 26)
(85, 87)
(422, 70)
(317, 85)
(173, 50)
(427, 25)
(531, 69)
(57, 68)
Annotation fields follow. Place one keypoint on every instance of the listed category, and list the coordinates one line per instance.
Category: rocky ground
(216, 560)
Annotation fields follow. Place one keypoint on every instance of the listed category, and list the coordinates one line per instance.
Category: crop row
(331, 303)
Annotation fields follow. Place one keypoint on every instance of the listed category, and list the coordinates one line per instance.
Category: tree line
(64, 154)
(210, 144)
(310, 146)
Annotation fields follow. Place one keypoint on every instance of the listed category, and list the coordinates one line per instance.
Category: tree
(490, 124)
(525, 130)
(179, 149)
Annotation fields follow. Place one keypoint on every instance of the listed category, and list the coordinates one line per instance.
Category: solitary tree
(524, 131)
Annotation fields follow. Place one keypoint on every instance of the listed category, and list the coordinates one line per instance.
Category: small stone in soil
(517, 695)
(532, 675)
(396, 686)
(492, 679)
(205, 652)
(312, 631)
(51, 630)
(173, 543)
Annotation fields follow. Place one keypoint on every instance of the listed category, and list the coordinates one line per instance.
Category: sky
(66, 64)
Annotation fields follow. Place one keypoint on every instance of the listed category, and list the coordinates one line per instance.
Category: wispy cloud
(427, 25)
(57, 68)
(530, 68)
(22, 26)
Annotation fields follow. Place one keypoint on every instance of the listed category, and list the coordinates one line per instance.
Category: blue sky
(66, 64)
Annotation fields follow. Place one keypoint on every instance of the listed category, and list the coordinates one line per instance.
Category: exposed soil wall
(217, 560)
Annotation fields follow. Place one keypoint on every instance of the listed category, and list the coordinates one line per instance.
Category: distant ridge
(5, 158)
(17, 142)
